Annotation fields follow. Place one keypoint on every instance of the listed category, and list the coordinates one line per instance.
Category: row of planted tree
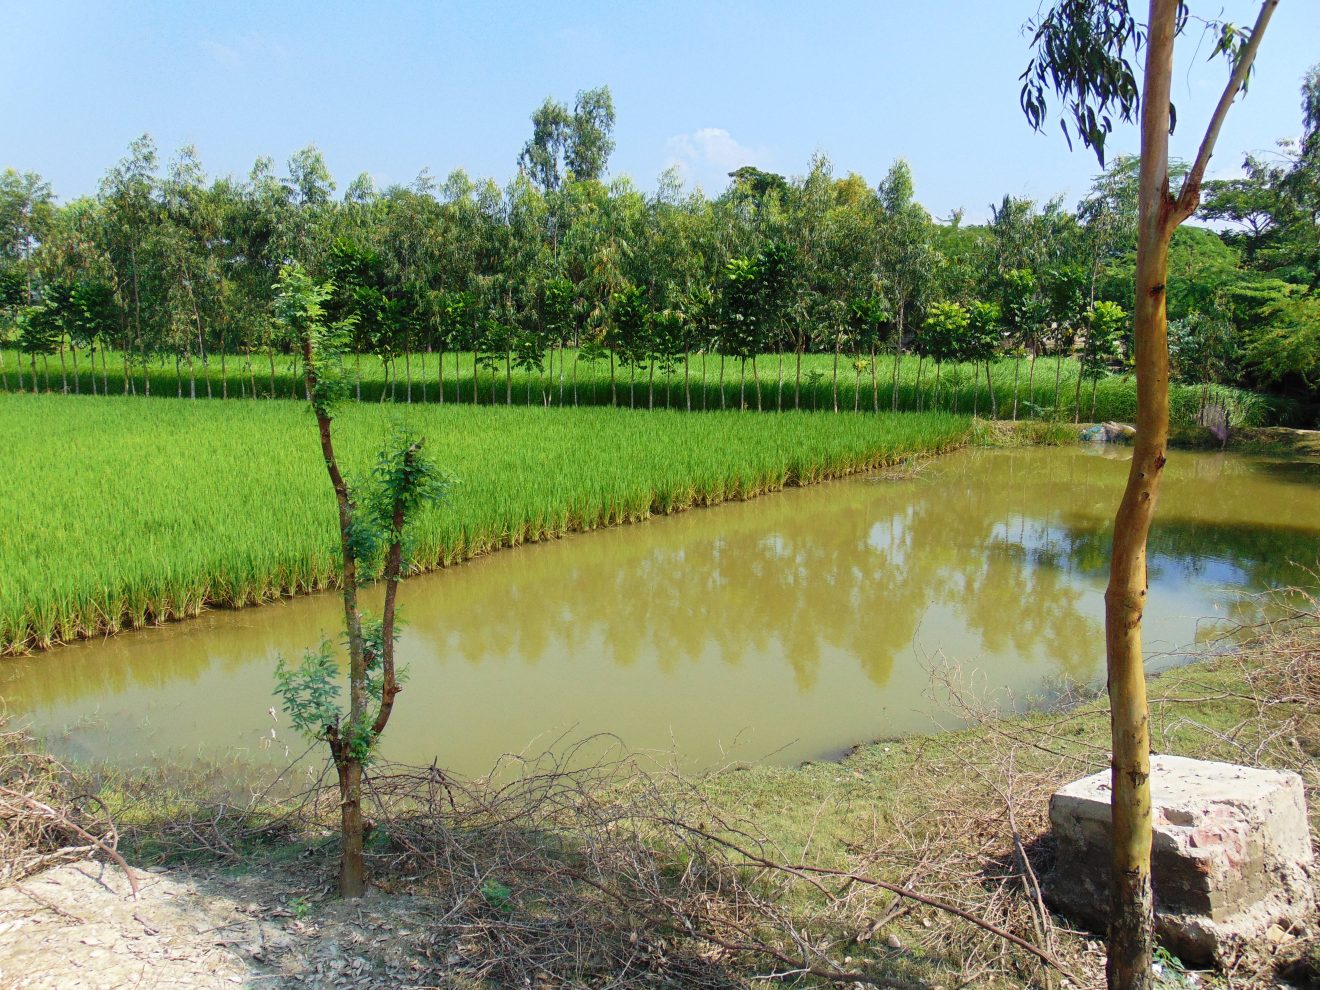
(560, 267)
(1011, 387)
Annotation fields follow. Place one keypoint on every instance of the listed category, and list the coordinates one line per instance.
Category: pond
(777, 630)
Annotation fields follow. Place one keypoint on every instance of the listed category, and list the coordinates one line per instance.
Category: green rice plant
(119, 511)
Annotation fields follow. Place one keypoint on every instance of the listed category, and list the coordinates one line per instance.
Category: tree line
(166, 265)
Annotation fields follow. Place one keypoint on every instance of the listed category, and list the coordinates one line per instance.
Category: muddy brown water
(776, 630)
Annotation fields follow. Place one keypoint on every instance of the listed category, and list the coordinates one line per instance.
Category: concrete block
(1231, 857)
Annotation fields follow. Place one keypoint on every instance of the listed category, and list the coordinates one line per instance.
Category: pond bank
(958, 817)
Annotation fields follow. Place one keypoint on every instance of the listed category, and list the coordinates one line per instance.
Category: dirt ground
(78, 927)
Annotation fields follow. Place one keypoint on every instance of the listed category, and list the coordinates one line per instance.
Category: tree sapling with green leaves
(372, 520)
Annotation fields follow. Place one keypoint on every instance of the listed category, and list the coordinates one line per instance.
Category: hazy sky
(391, 87)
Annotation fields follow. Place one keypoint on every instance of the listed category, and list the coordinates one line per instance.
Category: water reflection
(792, 625)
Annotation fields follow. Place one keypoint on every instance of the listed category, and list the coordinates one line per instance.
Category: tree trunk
(797, 384)
(898, 348)
(898, 360)
(990, 386)
(1131, 938)
(875, 382)
(352, 871)
(836, 377)
(687, 382)
(1017, 373)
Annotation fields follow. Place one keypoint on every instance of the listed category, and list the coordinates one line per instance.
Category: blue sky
(391, 87)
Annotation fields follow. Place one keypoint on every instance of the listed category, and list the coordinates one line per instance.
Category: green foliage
(1287, 343)
(300, 310)
(1082, 51)
(984, 332)
(943, 334)
(498, 896)
(1204, 348)
(1105, 331)
(309, 691)
(164, 263)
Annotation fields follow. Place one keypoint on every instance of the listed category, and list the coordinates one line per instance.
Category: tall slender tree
(1084, 52)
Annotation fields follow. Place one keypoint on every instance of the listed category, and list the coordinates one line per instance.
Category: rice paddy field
(123, 511)
(1050, 390)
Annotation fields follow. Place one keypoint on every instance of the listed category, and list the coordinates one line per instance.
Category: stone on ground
(1231, 859)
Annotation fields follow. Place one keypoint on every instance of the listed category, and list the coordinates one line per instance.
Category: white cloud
(249, 46)
(706, 156)
(222, 53)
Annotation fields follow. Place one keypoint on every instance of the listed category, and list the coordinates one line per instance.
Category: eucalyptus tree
(906, 255)
(373, 527)
(129, 214)
(524, 257)
(542, 157)
(309, 189)
(579, 143)
(71, 252)
(189, 236)
(1084, 52)
(27, 207)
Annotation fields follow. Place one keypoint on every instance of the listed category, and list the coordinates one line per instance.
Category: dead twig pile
(43, 820)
